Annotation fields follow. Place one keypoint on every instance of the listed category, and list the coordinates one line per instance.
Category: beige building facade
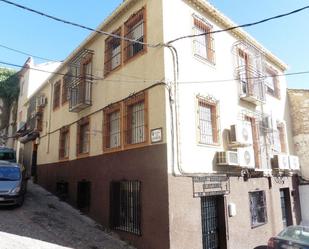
(183, 144)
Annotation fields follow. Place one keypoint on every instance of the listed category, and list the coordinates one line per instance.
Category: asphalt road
(44, 222)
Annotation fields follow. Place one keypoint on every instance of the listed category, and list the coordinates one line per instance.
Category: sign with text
(210, 185)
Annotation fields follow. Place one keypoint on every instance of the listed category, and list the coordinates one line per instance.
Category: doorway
(213, 222)
(286, 207)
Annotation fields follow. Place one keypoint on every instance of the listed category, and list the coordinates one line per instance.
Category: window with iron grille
(83, 136)
(136, 119)
(281, 131)
(135, 30)
(244, 75)
(112, 127)
(64, 142)
(112, 59)
(57, 89)
(207, 122)
(203, 45)
(258, 208)
(125, 206)
(272, 83)
(65, 89)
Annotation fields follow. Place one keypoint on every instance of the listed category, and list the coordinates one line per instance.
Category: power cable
(148, 80)
(148, 44)
(24, 53)
(77, 77)
(240, 26)
(79, 25)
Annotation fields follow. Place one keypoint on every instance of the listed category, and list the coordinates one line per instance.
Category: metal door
(210, 223)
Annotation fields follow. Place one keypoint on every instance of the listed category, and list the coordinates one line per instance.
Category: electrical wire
(89, 77)
(24, 53)
(240, 26)
(148, 44)
(79, 25)
(150, 80)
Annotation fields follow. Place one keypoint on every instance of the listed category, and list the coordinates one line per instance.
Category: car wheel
(21, 201)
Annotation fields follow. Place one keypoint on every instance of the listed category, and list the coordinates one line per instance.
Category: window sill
(82, 155)
(132, 58)
(111, 150)
(63, 159)
(106, 75)
(204, 60)
(216, 145)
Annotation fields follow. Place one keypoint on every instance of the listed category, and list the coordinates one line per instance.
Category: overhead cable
(148, 80)
(240, 26)
(79, 25)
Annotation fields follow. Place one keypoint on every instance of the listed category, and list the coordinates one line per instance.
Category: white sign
(156, 135)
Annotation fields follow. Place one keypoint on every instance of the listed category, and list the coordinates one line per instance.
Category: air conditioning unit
(294, 162)
(246, 157)
(241, 133)
(280, 161)
(269, 122)
(41, 101)
(227, 158)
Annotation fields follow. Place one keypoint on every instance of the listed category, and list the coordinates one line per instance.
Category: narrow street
(43, 222)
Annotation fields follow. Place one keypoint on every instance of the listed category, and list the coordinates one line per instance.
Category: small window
(64, 143)
(112, 53)
(83, 136)
(65, 89)
(203, 45)
(207, 122)
(258, 208)
(272, 83)
(136, 120)
(125, 209)
(112, 127)
(244, 74)
(282, 138)
(135, 30)
(57, 89)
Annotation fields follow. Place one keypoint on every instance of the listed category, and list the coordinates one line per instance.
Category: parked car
(13, 182)
(292, 237)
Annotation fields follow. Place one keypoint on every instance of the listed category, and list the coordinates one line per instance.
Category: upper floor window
(112, 127)
(57, 90)
(83, 136)
(112, 53)
(272, 83)
(65, 89)
(282, 138)
(203, 45)
(135, 30)
(136, 119)
(207, 122)
(258, 208)
(64, 142)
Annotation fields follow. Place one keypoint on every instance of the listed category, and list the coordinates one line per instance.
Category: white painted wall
(194, 157)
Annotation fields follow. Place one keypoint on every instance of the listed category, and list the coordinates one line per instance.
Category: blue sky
(288, 37)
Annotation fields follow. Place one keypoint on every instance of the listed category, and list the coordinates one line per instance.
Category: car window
(300, 234)
(9, 174)
(7, 156)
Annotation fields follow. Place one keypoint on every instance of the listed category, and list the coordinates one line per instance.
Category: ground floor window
(258, 208)
(125, 206)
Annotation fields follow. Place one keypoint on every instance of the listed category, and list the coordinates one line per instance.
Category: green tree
(9, 91)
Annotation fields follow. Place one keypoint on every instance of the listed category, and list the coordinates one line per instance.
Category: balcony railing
(79, 79)
(80, 94)
(251, 82)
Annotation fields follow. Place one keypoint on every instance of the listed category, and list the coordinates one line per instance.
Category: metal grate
(210, 229)
(125, 209)
(83, 195)
(136, 123)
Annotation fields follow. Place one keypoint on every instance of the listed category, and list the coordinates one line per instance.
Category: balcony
(79, 79)
(251, 84)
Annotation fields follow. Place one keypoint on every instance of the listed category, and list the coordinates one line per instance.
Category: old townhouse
(31, 78)
(299, 105)
(183, 144)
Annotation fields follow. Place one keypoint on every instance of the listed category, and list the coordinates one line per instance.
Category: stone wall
(299, 106)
